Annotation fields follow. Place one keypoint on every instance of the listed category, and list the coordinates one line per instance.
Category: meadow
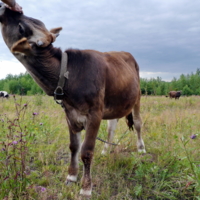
(34, 153)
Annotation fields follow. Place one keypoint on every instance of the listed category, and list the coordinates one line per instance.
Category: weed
(13, 154)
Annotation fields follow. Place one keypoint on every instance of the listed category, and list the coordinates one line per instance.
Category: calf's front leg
(75, 143)
(87, 152)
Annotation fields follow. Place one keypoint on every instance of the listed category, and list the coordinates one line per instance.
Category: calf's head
(21, 32)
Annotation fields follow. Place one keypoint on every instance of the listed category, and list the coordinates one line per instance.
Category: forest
(189, 84)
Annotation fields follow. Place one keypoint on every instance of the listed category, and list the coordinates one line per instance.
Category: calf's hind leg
(138, 124)
(111, 131)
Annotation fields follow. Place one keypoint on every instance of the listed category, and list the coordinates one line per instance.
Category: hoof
(70, 180)
(87, 194)
(141, 151)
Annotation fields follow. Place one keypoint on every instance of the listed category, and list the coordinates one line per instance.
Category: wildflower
(43, 189)
(34, 113)
(41, 123)
(193, 136)
(14, 142)
(25, 105)
(40, 189)
(3, 149)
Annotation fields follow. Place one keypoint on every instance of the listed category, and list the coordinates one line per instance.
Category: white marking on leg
(141, 151)
(71, 178)
(140, 143)
(86, 193)
(111, 130)
(141, 146)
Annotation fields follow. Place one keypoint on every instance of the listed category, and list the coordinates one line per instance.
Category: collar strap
(58, 93)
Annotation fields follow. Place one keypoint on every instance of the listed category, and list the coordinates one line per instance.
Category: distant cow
(4, 94)
(98, 85)
(175, 94)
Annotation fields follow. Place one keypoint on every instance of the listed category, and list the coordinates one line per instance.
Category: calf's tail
(129, 121)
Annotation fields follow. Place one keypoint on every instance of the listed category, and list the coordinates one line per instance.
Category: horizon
(20, 69)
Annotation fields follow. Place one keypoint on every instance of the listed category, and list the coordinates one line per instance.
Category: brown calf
(99, 85)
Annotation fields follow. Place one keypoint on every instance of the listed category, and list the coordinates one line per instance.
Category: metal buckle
(58, 93)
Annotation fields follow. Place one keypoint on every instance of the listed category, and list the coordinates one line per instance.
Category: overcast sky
(162, 35)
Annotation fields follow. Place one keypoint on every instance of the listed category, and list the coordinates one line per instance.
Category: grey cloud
(163, 36)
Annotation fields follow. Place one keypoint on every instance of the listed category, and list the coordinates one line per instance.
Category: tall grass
(34, 153)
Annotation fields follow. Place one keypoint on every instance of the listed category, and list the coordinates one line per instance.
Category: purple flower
(25, 104)
(14, 142)
(43, 189)
(41, 123)
(193, 136)
(34, 113)
(3, 149)
(40, 189)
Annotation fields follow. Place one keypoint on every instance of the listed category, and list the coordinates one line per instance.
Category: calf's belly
(116, 113)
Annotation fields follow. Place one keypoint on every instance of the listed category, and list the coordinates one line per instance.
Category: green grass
(34, 153)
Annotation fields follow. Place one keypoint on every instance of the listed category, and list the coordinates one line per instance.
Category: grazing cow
(4, 94)
(97, 86)
(175, 94)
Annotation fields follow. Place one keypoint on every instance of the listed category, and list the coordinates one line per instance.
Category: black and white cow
(4, 94)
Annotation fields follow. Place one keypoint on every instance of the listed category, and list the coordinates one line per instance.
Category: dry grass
(169, 170)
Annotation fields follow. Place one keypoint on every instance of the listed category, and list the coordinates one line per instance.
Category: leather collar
(58, 93)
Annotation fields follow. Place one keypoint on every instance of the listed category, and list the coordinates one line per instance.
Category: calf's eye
(21, 29)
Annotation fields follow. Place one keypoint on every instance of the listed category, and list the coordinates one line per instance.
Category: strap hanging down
(58, 93)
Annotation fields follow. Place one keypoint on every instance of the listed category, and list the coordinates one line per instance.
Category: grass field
(34, 154)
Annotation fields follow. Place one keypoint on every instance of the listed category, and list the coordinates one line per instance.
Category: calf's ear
(21, 46)
(55, 32)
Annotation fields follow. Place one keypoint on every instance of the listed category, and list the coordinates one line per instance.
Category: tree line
(22, 84)
(189, 84)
